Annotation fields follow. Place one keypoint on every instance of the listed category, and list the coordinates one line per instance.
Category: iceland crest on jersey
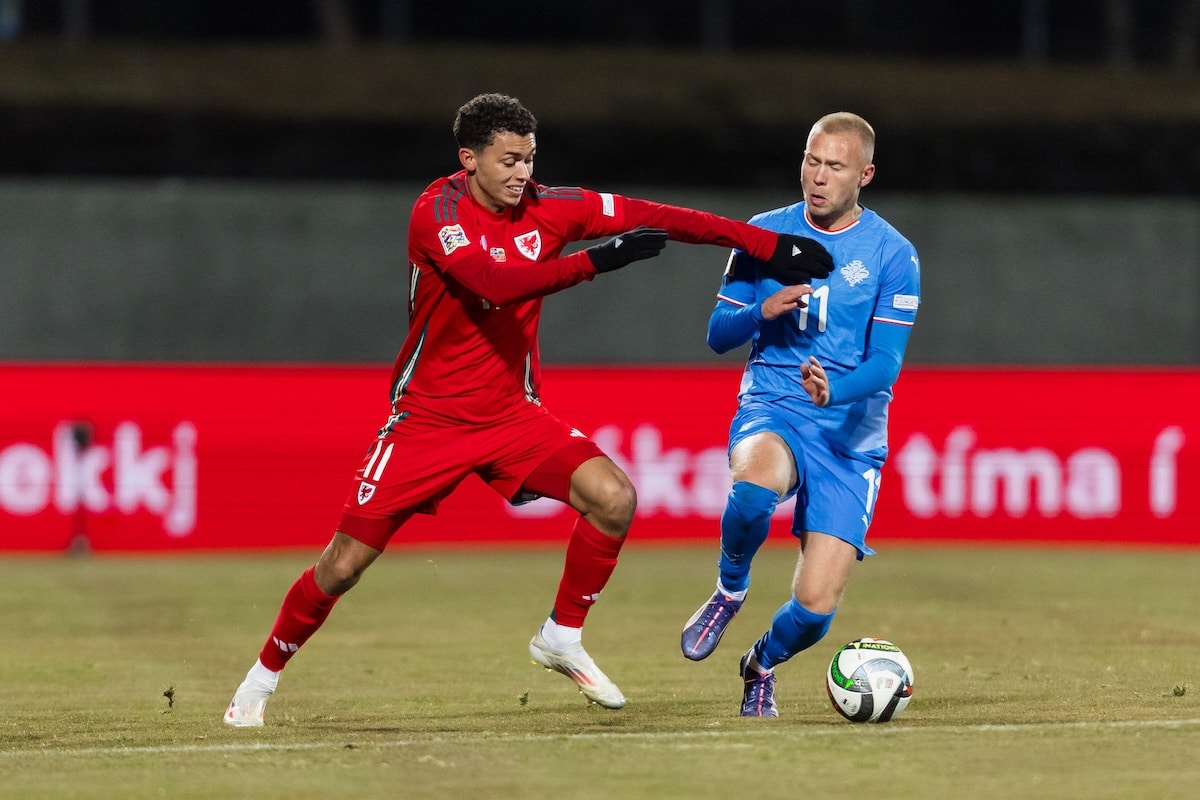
(855, 272)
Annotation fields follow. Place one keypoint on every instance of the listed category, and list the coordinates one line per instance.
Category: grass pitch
(1040, 673)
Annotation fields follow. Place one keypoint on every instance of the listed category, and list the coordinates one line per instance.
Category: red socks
(304, 609)
(591, 559)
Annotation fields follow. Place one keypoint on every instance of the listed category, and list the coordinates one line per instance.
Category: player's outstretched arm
(788, 258)
(798, 259)
(503, 283)
(625, 248)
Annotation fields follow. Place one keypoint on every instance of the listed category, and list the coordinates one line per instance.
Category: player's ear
(867, 175)
(467, 157)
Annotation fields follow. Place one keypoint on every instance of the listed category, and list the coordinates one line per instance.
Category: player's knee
(816, 601)
(342, 565)
(750, 503)
(813, 623)
(336, 577)
(613, 502)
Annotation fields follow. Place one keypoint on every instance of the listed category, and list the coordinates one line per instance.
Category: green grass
(1040, 673)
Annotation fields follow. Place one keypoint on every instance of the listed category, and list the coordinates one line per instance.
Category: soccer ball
(869, 680)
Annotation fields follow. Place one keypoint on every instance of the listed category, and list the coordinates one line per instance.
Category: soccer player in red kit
(484, 247)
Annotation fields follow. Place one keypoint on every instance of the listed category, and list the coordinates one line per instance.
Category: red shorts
(419, 461)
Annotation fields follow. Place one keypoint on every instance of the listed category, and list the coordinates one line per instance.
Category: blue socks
(793, 629)
(744, 527)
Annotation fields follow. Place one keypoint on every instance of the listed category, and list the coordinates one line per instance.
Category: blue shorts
(836, 490)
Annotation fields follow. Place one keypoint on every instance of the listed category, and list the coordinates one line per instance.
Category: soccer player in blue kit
(813, 405)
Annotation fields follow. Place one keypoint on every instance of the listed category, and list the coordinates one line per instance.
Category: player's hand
(798, 260)
(637, 244)
(785, 301)
(815, 382)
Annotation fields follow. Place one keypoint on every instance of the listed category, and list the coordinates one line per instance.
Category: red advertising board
(187, 457)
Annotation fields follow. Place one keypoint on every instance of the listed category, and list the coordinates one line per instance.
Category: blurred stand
(10, 19)
(335, 22)
(1185, 46)
(396, 20)
(1121, 34)
(76, 20)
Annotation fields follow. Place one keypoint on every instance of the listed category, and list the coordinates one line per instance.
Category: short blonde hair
(847, 122)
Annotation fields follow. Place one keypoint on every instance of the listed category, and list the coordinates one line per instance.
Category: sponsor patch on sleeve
(906, 302)
(452, 237)
(731, 263)
(608, 205)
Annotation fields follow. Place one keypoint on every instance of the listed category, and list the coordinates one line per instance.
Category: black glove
(798, 260)
(633, 246)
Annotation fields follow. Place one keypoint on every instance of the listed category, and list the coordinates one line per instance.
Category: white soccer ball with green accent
(869, 680)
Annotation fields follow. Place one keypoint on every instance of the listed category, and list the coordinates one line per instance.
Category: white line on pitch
(774, 731)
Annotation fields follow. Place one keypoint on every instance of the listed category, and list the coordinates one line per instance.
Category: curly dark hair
(483, 116)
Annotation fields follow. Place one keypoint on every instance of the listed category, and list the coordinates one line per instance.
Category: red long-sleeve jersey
(477, 278)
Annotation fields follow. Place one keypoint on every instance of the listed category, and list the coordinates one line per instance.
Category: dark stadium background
(1107, 146)
(230, 181)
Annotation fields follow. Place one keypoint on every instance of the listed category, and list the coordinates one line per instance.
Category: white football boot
(250, 700)
(576, 664)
